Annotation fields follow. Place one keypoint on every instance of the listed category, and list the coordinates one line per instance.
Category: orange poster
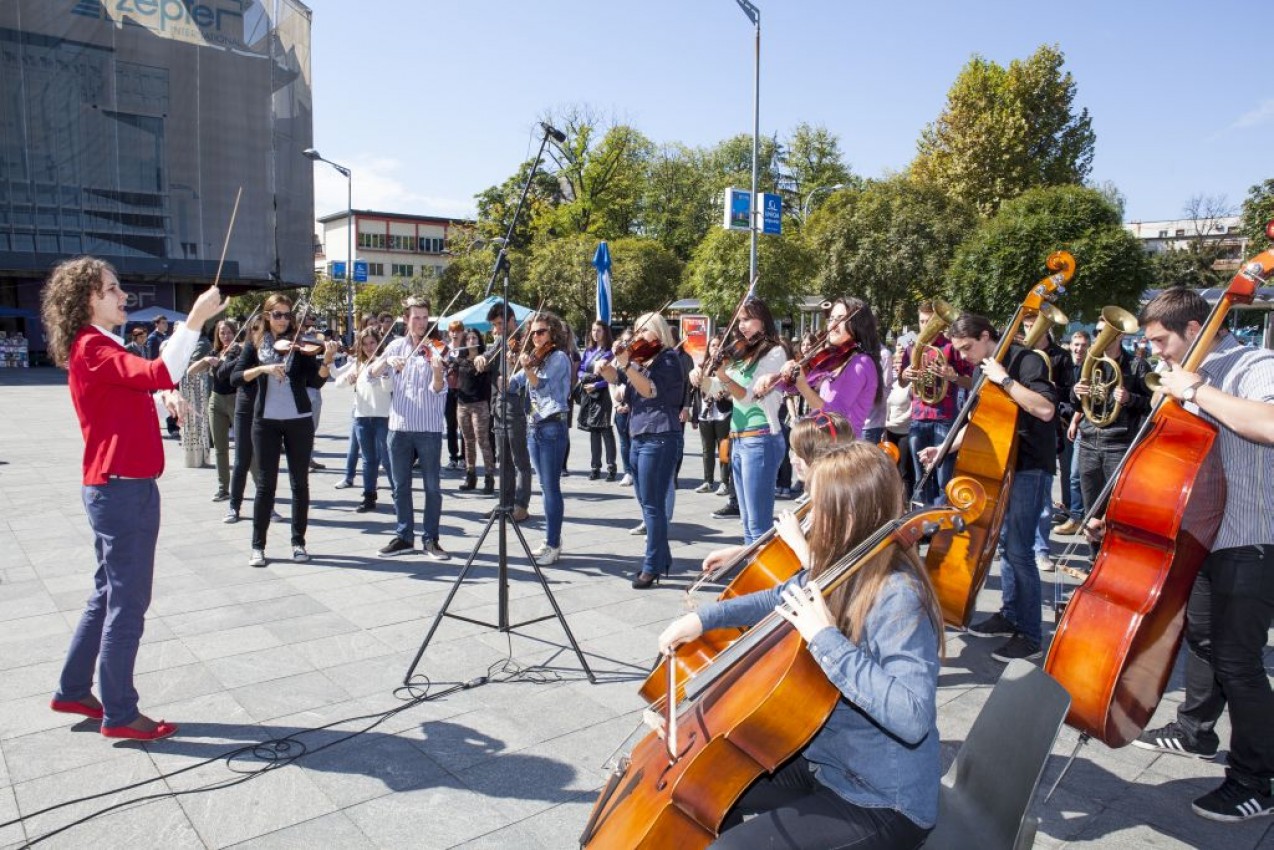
(695, 330)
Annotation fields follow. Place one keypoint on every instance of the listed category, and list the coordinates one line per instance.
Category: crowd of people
(770, 412)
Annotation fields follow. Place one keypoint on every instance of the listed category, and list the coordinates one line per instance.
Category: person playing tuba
(1111, 399)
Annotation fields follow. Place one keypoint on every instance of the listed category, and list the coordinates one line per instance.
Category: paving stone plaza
(315, 653)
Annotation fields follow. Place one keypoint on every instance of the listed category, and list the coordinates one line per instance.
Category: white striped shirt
(414, 405)
(1249, 467)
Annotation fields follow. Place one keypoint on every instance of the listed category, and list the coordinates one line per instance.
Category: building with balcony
(394, 245)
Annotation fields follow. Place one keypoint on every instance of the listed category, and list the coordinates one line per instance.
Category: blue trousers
(925, 433)
(372, 433)
(546, 443)
(754, 466)
(124, 516)
(404, 447)
(1019, 577)
(653, 462)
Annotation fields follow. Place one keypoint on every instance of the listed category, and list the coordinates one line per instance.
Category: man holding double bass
(1232, 603)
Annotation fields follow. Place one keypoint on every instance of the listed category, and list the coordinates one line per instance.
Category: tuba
(928, 387)
(1101, 373)
(1048, 318)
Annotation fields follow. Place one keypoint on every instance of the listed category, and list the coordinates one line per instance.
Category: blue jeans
(923, 434)
(754, 464)
(351, 456)
(124, 516)
(1078, 508)
(1045, 526)
(1019, 577)
(404, 447)
(653, 461)
(678, 452)
(546, 443)
(625, 442)
(372, 433)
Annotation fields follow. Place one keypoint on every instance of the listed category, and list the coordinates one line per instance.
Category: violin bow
(434, 326)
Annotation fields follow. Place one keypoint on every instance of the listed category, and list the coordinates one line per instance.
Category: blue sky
(432, 101)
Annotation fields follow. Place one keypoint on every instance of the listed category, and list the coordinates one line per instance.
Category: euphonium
(1101, 373)
(926, 358)
(1049, 316)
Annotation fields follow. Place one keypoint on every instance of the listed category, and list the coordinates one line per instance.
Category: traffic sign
(338, 270)
(360, 271)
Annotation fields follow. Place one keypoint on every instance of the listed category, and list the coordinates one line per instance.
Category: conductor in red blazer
(82, 305)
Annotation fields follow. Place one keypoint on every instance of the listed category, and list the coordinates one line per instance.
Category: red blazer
(111, 390)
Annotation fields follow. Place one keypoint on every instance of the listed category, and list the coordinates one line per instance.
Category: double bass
(753, 708)
(958, 561)
(1116, 643)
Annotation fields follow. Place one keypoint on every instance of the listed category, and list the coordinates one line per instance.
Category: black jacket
(303, 374)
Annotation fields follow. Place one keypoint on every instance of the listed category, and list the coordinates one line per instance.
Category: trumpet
(1101, 373)
(928, 359)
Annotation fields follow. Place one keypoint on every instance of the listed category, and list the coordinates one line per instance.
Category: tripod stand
(500, 517)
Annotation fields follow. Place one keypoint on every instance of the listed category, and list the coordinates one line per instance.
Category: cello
(747, 713)
(958, 562)
(1117, 641)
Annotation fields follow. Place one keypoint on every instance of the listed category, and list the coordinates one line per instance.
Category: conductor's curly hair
(65, 305)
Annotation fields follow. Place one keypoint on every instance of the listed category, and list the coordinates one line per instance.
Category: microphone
(553, 133)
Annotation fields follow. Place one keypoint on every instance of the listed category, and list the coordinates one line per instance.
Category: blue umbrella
(601, 260)
(476, 316)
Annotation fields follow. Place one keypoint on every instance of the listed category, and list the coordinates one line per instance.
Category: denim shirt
(880, 746)
(550, 395)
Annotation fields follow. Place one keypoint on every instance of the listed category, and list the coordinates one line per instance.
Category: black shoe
(729, 509)
(470, 481)
(1232, 802)
(595, 475)
(1018, 646)
(610, 474)
(397, 546)
(645, 580)
(997, 625)
(1172, 739)
(220, 496)
(314, 464)
(488, 486)
(368, 505)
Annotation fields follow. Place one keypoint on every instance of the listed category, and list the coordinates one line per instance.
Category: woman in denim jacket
(869, 778)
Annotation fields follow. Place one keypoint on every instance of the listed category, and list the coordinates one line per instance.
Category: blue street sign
(338, 270)
(772, 205)
(738, 209)
(360, 271)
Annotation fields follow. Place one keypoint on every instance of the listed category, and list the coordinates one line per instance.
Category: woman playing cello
(869, 778)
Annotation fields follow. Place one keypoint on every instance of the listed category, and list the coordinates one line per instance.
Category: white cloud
(1263, 114)
(378, 187)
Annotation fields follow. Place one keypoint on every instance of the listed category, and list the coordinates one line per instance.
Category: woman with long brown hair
(869, 778)
(371, 412)
(282, 419)
(220, 400)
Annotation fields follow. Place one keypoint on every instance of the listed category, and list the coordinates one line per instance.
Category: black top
(303, 373)
(472, 386)
(221, 383)
(1036, 439)
(1118, 434)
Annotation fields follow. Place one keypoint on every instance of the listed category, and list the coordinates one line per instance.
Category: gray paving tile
(265, 803)
(267, 700)
(13, 834)
(235, 641)
(334, 830)
(412, 818)
(263, 665)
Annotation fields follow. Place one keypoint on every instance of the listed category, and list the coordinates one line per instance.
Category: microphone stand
(503, 513)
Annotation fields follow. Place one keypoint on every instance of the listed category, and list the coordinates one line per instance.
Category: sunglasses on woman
(279, 315)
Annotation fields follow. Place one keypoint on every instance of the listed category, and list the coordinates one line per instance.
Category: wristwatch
(1006, 382)
(1188, 394)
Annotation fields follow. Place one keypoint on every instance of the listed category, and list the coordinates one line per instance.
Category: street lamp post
(805, 207)
(312, 154)
(754, 15)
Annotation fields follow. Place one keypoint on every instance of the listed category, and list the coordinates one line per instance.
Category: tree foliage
(811, 159)
(889, 243)
(994, 268)
(718, 272)
(1258, 208)
(1007, 130)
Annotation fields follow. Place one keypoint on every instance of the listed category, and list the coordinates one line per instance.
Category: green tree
(1007, 130)
(994, 267)
(810, 159)
(601, 185)
(1258, 209)
(889, 243)
(372, 299)
(678, 205)
(718, 273)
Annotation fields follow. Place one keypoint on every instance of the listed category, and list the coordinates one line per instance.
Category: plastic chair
(985, 794)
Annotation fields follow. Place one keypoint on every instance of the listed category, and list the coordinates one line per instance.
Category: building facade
(394, 245)
(1179, 234)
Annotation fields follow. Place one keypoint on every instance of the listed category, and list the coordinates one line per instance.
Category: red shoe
(66, 706)
(161, 730)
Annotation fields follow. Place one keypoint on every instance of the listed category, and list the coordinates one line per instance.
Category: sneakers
(1172, 739)
(638, 530)
(729, 509)
(541, 549)
(626, 481)
(433, 551)
(299, 555)
(343, 485)
(783, 493)
(1043, 563)
(1018, 646)
(257, 558)
(397, 546)
(220, 496)
(723, 490)
(231, 517)
(611, 474)
(1070, 526)
(997, 625)
(1233, 802)
(705, 487)
(551, 555)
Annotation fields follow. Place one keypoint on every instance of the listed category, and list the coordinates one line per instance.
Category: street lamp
(754, 15)
(805, 207)
(313, 155)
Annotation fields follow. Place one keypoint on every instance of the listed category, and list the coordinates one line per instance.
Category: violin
(535, 357)
(310, 346)
(642, 350)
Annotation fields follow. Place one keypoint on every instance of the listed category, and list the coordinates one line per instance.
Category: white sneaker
(723, 490)
(433, 551)
(299, 555)
(705, 487)
(542, 549)
(1043, 563)
(626, 481)
(549, 556)
(257, 558)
